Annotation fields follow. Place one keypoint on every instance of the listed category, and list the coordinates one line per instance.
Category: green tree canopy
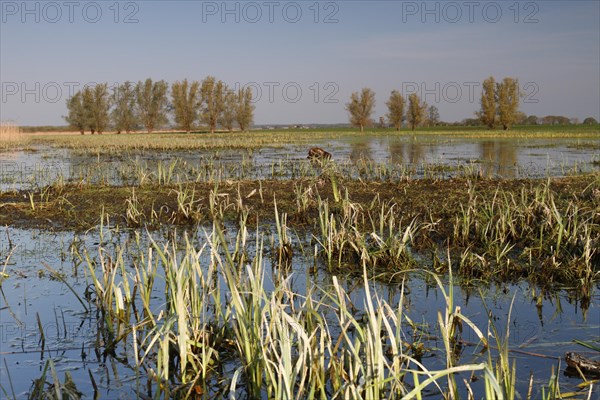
(76, 117)
(433, 116)
(100, 107)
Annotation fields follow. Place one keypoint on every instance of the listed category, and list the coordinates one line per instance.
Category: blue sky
(305, 58)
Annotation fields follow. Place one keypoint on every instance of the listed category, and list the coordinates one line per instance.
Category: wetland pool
(397, 156)
(542, 324)
(47, 311)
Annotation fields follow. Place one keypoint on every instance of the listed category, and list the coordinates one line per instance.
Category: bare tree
(508, 102)
(416, 111)
(395, 106)
(487, 114)
(361, 107)
(186, 102)
(123, 113)
(152, 103)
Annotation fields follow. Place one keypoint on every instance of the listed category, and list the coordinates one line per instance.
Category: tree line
(499, 103)
(499, 106)
(361, 107)
(147, 104)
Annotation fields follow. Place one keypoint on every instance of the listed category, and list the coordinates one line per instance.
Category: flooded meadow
(407, 266)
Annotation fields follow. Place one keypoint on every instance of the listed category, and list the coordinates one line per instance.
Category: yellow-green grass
(277, 138)
(11, 135)
(499, 229)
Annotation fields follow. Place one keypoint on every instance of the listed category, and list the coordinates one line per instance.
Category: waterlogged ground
(415, 156)
(46, 278)
(542, 325)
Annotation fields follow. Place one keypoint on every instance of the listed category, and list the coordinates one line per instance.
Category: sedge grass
(205, 308)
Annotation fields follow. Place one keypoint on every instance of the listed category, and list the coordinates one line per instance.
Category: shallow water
(539, 334)
(508, 158)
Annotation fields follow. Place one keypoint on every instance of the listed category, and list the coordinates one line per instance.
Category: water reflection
(499, 158)
(529, 158)
(416, 152)
(412, 153)
(396, 150)
(360, 150)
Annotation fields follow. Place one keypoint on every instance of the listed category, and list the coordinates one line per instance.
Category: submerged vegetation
(546, 230)
(216, 312)
(204, 317)
(222, 330)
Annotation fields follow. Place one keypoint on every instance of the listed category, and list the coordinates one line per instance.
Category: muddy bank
(81, 207)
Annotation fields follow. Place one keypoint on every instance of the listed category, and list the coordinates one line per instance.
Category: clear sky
(305, 58)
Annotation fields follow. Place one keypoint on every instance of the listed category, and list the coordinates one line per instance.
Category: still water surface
(540, 331)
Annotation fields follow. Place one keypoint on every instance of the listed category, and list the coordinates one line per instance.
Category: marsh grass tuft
(201, 320)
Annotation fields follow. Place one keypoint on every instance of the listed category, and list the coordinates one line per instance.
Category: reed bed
(11, 135)
(545, 230)
(217, 315)
(200, 321)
